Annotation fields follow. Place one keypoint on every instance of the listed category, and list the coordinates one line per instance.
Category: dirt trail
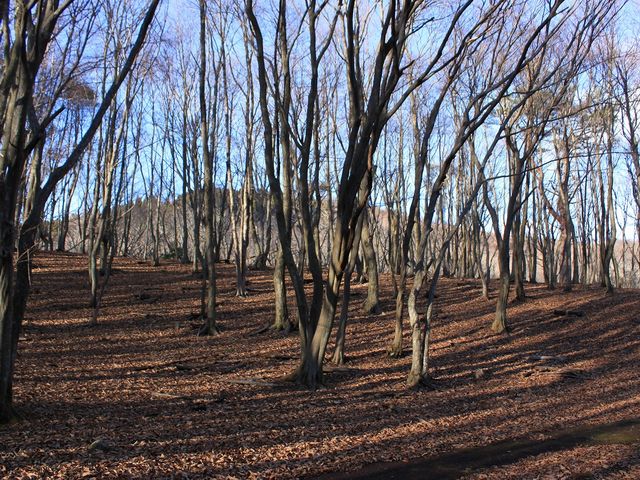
(462, 462)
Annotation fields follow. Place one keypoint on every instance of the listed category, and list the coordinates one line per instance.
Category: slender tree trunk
(209, 327)
(372, 303)
(7, 318)
(500, 322)
(282, 321)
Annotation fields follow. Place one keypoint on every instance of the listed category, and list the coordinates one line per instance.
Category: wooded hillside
(376, 167)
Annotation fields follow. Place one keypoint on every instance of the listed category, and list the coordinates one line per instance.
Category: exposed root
(290, 377)
(286, 327)
(310, 380)
(206, 330)
(372, 309)
(338, 358)
(261, 330)
(499, 328)
(420, 382)
(395, 351)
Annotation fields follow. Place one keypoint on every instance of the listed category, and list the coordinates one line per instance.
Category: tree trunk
(282, 321)
(338, 354)
(7, 318)
(395, 349)
(499, 324)
(372, 303)
(417, 334)
(209, 327)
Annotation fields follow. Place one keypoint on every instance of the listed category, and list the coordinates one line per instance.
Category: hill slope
(164, 402)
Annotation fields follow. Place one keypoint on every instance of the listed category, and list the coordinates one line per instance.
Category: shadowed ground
(462, 462)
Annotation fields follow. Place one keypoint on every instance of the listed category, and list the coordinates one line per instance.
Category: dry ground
(167, 404)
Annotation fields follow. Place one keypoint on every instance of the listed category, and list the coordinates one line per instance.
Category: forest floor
(140, 395)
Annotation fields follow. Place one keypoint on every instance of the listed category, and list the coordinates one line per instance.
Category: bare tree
(209, 327)
(28, 32)
(369, 109)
